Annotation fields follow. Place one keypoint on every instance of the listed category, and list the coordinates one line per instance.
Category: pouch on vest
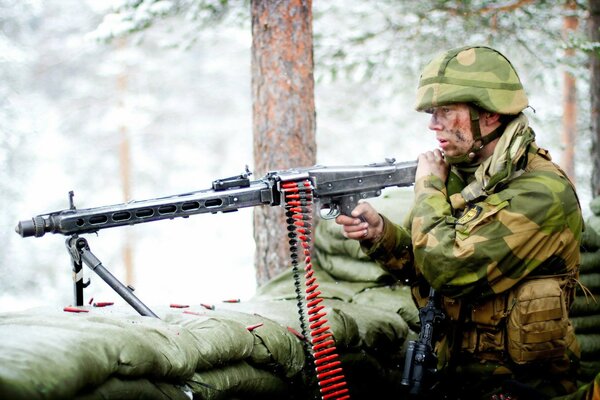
(538, 323)
(482, 330)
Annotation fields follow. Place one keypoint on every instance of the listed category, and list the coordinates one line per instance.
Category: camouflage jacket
(517, 214)
(474, 239)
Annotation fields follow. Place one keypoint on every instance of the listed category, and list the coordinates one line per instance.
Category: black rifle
(420, 363)
(335, 190)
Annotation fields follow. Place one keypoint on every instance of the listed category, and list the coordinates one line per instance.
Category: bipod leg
(79, 246)
(77, 267)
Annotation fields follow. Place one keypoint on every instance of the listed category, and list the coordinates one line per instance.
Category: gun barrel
(71, 221)
(31, 227)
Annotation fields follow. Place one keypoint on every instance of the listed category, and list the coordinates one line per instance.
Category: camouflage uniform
(490, 229)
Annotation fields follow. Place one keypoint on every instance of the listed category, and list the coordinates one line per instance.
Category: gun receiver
(335, 189)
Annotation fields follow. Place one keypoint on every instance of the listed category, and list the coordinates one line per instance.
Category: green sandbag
(53, 354)
(217, 340)
(590, 240)
(394, 203)
(585, 306)
(355, 326)
(590, 281)
(239, 380)
(377, 330)
(282, 286)
(587, 324)
(115, 388)
(350, 269)
(329, 239)
(590, 262)
(283, 312)
(395, 298)
(342, 290)
(381, 332)
(589, 369)
(343, 325)
(590, 346)
(276, 348)
(272, 345)
(593, 223)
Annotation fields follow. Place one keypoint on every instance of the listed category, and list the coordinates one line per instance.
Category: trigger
(329, 212)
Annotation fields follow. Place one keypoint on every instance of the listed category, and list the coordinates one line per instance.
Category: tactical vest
(527, 324)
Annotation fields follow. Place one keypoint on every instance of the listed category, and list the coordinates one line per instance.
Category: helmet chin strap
(479, 142)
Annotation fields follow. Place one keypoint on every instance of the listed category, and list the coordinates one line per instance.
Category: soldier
(495, 229)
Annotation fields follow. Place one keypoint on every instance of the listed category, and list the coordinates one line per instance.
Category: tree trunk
(283, 113)
(125, 169)
(594, 26)
(569, 133)
(125, 163)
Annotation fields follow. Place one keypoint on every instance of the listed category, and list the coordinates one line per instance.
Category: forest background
(120, 100)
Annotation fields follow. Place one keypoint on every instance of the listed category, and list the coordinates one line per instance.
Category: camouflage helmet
(473, 74)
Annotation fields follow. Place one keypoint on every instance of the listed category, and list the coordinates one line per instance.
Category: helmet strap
(479, 142)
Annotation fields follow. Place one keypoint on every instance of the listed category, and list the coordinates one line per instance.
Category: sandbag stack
(229, 350)
(248, 349)
(585, 311)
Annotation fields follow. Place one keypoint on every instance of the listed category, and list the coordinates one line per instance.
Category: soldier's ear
(491, 118)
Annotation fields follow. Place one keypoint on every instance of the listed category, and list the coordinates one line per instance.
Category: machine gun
(335, 190)
(420, 363)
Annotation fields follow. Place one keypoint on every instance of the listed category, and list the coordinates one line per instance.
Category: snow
(70, 100)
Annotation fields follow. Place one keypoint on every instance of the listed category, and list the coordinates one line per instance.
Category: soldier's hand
(432, 163)
(364, 224)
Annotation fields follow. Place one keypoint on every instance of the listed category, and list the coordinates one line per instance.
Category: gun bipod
(80, 253)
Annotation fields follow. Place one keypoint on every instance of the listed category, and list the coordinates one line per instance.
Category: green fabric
(585, 312)
(355, 326)
(52, 354)
(586, 324)
(591, 235)
(111, 351)
(472, 74)
(517, 226)
(396, 298)
(116, 388)
(351, 269)
(238, 379)
(591, 281)
(590, 262)
(216, 339)
(590, 346)
(281, 287)
(583, 306)
(502, 166)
